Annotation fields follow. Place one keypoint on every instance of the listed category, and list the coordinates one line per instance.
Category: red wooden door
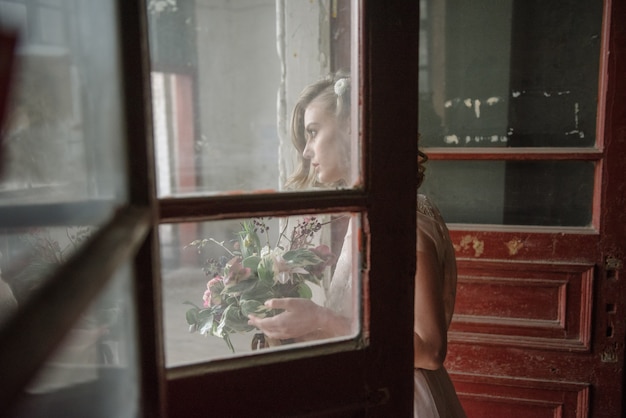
(540, 235)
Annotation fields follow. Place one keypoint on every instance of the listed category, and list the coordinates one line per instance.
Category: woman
(321, 134)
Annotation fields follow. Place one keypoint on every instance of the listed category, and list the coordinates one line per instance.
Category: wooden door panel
(521, 335)
(488, 396)
(521, 304)
(572, 245)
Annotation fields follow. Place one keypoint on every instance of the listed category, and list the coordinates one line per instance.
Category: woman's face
(327, 144)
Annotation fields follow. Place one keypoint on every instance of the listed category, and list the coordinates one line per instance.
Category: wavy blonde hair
(337, 104)
(322, 91)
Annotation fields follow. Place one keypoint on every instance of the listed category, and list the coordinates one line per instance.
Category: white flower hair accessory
(341, 86)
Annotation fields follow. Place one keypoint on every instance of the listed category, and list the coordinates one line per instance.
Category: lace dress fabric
(339, 297)
(434, 395)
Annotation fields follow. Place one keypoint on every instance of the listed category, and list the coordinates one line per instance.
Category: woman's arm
(302, 319)
(430, 328)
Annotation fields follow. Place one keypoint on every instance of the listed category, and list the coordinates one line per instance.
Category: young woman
(321, 134)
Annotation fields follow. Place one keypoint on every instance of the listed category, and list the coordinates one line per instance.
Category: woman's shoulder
(428, 216)
(425, 206)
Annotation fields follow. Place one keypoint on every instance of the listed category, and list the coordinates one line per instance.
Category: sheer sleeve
(340, 296)
(432, 228)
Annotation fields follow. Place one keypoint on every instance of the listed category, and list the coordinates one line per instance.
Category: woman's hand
(300, 317)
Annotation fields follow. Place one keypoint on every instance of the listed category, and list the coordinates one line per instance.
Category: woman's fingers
(282, 303)
(297, 318)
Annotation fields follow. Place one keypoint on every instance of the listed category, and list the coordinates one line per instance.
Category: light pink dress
(434, 395)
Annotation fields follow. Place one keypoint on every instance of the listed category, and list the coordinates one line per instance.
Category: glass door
(246, 216)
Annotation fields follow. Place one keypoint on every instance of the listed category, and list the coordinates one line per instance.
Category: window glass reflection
(509, 74)
(545, 193)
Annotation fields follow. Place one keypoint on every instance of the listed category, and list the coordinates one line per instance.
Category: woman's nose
(308, 151)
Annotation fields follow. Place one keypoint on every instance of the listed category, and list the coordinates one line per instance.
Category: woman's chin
(328, 180)
(325, 179)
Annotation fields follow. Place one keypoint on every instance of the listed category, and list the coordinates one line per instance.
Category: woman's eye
(312, 133)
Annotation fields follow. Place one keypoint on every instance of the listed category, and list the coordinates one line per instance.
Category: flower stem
(223, 246)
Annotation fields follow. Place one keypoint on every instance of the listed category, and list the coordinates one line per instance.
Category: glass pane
(215, 274)
(94, 373)
(28, 256)
(226, 77)
(504, 73)
(62, 141)
(546, 193)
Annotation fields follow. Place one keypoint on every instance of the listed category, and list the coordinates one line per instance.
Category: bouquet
(250, 273)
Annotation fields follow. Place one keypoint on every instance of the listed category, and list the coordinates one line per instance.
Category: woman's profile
(320, 131)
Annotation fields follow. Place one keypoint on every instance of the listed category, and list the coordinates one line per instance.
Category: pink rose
(212, 295)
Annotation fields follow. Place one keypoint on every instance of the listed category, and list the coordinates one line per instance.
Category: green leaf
(249, 241)
(203, 314)
(302, 258)
(230, 299)
(252, 263)
(253, 307)
(265, 270)
(241, 286)
(207, 326)
(260, 292)
(221, 329)
(192, 316)
(305, 291)
(235, 320)
(192, 304)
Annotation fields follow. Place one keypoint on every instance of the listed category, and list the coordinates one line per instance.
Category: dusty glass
(94, 372)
